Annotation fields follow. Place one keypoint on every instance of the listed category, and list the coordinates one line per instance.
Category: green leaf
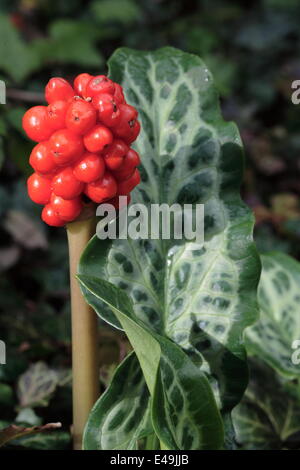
(56, 440)
(190, 305)
(184, 412)
(13, 432)
(14, 117)
(121, 416)
(269, 415)
(6, 395)
(28, 417)
(36, 385)
(70, 42)
(17, 59)
(272, 337)
(200, 299)
(119, 11)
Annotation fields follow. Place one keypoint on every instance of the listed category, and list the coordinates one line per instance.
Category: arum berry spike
(83, 144)
(82, 157)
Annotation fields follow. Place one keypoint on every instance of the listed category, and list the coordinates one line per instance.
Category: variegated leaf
(274, 337)
(201, 299)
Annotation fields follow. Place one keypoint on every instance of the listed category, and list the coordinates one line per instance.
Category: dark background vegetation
(252, 47)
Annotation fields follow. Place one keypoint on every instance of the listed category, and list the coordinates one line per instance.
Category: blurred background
(252, 48)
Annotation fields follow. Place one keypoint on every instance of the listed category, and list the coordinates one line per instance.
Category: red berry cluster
(84, 152)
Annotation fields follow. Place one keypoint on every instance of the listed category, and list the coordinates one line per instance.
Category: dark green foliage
(252, 49)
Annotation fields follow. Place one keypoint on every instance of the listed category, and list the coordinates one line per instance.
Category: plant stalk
(84, 335)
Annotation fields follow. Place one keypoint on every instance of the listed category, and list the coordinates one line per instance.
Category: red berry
(66, 185)
(81, 116)
(108, 111)
(36, 123)
(100, 84)
(57, 114)
(102, 189)
(125, 187)
(97, 138)
(65, 146)
(58, 89)
(41, 158)
(133, 133)
(131, 159)
(51, 218)
(39, 188)
(127, 121)
(118, 94)
(130, 162)
(90, 168)
(80, 84)
(67, 210)
(115, 154)
(123, 175)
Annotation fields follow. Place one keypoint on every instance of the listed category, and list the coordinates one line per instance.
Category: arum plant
(268, 417)
(183, 307)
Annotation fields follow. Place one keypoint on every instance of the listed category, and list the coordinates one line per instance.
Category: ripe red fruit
(130, 162)
(39, 188)
(58, 89)
(118, 94)
(81, 116)
(90, 168)
(41, 158)
(127, 122)
(66, 185)
(84, 137)
(80, 84)
(36, 123)
(125, 187)
(67, 210)
(100, 84)
(133, 133)
(65, 146)
(57, 114)
(97, 138)
(50, 217)
(108, 110)
(115, 153)
(102, 189)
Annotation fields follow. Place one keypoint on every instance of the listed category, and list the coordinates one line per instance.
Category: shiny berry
(127, 121)
(125, 187)
(58, 89)
(36, 123)
(102, 189)
(108, 111)
(81, 116)
(50, 217)
(133, 133)
(130, 162)
(67, 210)
(118, 94)
(66, 146)
(115, 154)
(41, 158)
(122, 175)
(80, 84)
(89, 168)
(57, 114)
(39, 188)
(100, 84)
(66, 185)
(98, 138)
